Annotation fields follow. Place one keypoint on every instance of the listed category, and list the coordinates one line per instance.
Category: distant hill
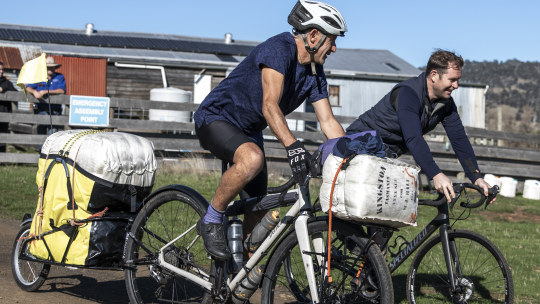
(513, 98)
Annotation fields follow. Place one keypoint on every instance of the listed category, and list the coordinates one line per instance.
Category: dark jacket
(6, 85)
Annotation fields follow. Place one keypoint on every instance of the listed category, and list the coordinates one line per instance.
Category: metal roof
(369, 62)
(186, 51)
(119, 40)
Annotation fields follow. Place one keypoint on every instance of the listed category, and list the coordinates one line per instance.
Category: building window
(333, 93)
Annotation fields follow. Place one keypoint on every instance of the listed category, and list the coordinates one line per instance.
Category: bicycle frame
(441, 221)
(300, 213)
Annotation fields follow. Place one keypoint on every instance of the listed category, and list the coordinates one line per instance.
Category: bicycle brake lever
(457, 192)
(492, 193)
(452, 203)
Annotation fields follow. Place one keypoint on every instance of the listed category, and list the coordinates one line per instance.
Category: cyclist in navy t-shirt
(272, 81)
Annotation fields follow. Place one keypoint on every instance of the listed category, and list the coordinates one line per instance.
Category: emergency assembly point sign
(89, 111)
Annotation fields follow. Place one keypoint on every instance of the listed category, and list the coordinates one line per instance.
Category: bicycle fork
(304, 243)
(451, 258)
(302, 235)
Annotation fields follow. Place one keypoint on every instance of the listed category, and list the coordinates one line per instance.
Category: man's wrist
(476, 174)
(291, 143)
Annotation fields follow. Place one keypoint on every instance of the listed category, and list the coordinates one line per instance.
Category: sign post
(89, 111)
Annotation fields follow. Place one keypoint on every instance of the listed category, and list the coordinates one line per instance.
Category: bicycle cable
(461, 216)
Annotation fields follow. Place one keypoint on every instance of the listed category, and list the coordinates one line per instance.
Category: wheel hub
(465, 290)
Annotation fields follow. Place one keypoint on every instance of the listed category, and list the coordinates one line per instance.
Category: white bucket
(508, 186)
(492, 180)
(531, 189)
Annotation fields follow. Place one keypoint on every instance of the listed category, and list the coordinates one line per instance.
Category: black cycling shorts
(222, 139)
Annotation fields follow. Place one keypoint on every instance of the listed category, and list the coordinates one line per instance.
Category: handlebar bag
(91, 183)
(371, 189)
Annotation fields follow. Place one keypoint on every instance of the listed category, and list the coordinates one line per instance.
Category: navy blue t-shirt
(238, 98)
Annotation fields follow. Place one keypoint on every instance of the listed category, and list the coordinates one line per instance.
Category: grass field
(511, 224)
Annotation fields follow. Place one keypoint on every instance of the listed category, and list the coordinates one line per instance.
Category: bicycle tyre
(163, 218)
(28, 275)
(284, 281)
(486, 277)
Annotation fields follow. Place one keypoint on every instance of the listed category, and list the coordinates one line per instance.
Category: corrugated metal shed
(84, 76)
(27, 52)
(11, 57)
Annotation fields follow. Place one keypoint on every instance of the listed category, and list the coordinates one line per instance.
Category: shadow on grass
(399, 281)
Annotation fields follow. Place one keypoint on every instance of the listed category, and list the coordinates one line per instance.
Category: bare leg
(248, 162)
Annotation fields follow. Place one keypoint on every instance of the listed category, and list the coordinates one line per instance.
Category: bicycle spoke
(482, 279)
(286, 282)
(169, 216)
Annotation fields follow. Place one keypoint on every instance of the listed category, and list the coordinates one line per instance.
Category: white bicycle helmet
(308, 14)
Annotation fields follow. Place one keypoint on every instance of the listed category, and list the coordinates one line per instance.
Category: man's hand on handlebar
(443, 184)
(485, 186)
(299, 160)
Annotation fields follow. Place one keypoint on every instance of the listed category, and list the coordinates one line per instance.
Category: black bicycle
(456, 266)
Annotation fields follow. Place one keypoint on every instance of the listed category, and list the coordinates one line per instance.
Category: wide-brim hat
(51, 63)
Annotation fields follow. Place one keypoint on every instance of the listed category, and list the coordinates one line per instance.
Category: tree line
(513, 97)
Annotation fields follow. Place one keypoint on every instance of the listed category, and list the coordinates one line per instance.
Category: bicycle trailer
(90, 183)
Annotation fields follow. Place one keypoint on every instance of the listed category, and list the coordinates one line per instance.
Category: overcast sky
(476, 29)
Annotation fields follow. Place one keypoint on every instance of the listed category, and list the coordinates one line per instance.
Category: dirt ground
(63, 285)
(518, 215)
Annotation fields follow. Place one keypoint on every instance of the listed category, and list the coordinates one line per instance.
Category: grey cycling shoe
(215, 242)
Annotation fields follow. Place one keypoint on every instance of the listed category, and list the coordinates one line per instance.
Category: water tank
(508, 186)
(531, 189)
(170, 95)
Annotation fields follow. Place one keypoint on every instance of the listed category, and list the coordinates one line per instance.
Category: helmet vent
(331, 22)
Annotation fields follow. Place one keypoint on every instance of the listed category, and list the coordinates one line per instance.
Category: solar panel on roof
(124, 42)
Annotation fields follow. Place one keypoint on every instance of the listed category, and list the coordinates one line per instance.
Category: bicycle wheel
(285, 280)
(163, 218)
(28, 275)
(484, 278)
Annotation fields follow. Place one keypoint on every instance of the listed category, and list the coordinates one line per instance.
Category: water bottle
(261, 230)
(234, 237)
(247, 287)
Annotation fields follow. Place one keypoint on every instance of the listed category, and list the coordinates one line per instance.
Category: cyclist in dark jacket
(413, 108)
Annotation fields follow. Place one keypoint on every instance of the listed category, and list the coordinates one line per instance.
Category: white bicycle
(165, 260)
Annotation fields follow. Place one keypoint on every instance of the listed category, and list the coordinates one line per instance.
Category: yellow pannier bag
(91, 184)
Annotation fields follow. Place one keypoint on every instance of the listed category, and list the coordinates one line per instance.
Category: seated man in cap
(56, 84)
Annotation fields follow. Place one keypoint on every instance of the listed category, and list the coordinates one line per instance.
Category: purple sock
(213, 216)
